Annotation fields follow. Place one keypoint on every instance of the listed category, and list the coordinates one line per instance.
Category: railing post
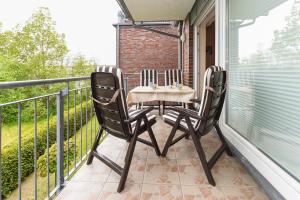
(60, 138)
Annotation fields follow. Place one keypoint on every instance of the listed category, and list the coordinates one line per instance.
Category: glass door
(263, 99)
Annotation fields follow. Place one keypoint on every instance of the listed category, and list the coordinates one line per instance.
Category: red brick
(139, 48)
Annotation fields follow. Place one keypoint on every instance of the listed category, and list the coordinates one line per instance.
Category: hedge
(42, 161)
(10, 152)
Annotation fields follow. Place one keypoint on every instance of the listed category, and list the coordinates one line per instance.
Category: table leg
(159, 108)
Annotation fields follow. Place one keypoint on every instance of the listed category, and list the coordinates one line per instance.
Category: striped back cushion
(173, 75)
(206, 81)
(147, 76)
(119, 74)
(211, 104)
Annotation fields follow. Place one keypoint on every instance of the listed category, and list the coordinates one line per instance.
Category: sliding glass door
(263, 101)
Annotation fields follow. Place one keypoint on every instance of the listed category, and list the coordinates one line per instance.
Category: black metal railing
(73, 141)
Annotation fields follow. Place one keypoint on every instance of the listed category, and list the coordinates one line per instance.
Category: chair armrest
(139, 114)
(196, 100)
(186, 112)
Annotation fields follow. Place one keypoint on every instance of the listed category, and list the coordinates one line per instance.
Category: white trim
(196, 59)
(286, 185)
(200, 19)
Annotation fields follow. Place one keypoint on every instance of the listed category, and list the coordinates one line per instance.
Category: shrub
(42, 161)
(10, 151)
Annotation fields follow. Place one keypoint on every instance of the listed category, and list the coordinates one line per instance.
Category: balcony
(178, 176)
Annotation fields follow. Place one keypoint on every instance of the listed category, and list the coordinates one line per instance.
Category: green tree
(37, 48)
(82, 66)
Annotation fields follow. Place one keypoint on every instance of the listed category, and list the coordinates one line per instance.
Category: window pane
(264, 77)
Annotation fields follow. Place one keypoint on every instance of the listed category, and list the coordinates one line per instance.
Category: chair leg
(203, 160)
(220, 134)
(164, 104)
(171, 136)
(128, 157)
(95, 145)
(152, 137)
(200, 153)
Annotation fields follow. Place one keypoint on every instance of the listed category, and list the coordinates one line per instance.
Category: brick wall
(188, 53)
(139, 48)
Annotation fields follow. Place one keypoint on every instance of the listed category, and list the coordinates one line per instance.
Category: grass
(87, 133)
(10, 132)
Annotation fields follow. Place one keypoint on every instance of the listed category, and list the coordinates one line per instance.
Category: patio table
(143, 94)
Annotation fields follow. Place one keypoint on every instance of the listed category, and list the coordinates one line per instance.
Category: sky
(87, 24)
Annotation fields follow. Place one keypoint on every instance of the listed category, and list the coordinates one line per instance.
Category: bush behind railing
(69, 153)
(10, 152)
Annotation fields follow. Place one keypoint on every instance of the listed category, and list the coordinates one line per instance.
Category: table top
(162, 89)
(160, 93)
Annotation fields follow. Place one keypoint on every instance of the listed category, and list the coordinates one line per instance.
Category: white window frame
(286, 185)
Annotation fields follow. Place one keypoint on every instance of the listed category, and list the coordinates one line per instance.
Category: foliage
(80, 63)
(10, 152)
(35, 51)
(68, 158)
(35, 47)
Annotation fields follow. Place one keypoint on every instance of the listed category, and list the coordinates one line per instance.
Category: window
(263, 100)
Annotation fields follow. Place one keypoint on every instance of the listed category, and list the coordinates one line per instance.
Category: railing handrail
(15, 84)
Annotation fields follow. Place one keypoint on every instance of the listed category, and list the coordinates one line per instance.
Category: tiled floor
(179, 176)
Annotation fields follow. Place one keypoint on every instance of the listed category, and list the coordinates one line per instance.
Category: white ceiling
(159, 10)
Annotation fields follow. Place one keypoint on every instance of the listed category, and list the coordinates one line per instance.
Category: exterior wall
(139, 49)
(188, 53)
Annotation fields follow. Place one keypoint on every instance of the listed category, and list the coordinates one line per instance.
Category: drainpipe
(180, 46)
(118, 45)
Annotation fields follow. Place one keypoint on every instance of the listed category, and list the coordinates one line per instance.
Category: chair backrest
(147, 76)
(105, 82)
(173, 75)
(213, 97)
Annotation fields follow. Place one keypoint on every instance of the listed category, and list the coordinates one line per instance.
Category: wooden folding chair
(112, 114)
(199, 124)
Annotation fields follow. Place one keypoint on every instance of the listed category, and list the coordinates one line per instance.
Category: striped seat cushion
(147, 76)
(132, 113)
(173, 75)
(172, 116)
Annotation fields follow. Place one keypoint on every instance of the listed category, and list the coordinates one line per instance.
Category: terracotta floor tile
(161, 192)
(191, 172)
(202, 192)
(235, 180)
(161, 170)
(136, 171)
(179, 176)
(185, 151)
(243, 193)
(140, 151)
(130, 192)
(81, 190)
(96, 171)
